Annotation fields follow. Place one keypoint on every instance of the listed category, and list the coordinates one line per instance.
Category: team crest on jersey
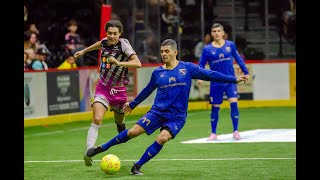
(172, 79)
(221, 55)
(213, 52)
(228, 49)
(182, 71)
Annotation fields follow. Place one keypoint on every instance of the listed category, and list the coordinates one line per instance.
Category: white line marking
(212, 159)
(252, 136)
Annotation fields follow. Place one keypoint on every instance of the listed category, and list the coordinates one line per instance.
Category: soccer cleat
(135, 170)
(236, 135)
(121, 127)
(87, 160)
(212, 137)
(93, 151)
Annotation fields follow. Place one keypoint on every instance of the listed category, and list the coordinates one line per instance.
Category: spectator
(32, 41)
(69, 62)
(73, 41)
(170, 22)
(148, 49)
(32, 29)
(41, 57)
(27, 61)
(31, 58)
(200, 45)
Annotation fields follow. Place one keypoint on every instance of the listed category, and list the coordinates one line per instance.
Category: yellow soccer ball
(110, 164)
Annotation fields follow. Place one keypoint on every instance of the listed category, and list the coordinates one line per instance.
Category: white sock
(92, 135)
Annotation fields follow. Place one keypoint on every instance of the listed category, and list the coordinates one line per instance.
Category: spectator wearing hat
(41, 56)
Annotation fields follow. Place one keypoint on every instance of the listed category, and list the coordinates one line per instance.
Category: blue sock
(234, 115)
(214, 118)
(120, 138)
(151, 152)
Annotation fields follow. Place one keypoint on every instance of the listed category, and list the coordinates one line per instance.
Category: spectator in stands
(73, 41)
(288, 19)
(31, 58)
(148, 49)
(171, 23)
(32, 29)
(200, 45)
(69, 62)
(26, 61)
(40, 62)
(32, 42)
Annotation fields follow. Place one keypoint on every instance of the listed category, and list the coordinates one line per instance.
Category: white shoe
(236, 135)
(212, 137)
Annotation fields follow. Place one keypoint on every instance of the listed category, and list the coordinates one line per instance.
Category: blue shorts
(217, 92)
(155, 119)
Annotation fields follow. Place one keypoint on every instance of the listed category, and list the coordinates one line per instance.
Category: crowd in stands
(52, 37)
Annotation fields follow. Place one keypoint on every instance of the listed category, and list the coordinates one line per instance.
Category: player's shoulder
(207, 46)
(124, 41)
(229, 42)
(104, 41)
(186, 64)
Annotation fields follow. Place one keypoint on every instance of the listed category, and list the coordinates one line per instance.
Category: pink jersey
(115, 75)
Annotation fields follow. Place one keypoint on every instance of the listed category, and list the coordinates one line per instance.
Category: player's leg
(122, 137)
(98, 111)
(117, 98)
(216, 98)
(143, 125)
(168, 131)
(119, 120)
(232, 94)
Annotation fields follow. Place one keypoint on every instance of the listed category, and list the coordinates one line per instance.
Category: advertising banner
(88, 79)
(63, 92)
(132, 86)
(292, 80)
(35, 93)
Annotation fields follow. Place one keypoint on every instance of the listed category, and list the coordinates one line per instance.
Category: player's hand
(247, 77)
(78, 53)
(241, 78)
(113, 60)
(199, 82)
(127, 108)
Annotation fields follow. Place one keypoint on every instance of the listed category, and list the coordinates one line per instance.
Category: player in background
(110, 93)
(169, 111)
(220, 54)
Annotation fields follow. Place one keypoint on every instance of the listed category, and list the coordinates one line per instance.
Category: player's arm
(209, 75)
(202, 63)
(239, 59)
(93, 47)
(152, 85)
(133, 61)
(203, 59)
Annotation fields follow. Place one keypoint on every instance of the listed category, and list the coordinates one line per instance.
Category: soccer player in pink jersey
(116, 56)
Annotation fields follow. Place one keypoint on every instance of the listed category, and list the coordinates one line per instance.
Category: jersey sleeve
(208, 75)
(239, 59)
(126, 47)
(152, 85)
(203, 59)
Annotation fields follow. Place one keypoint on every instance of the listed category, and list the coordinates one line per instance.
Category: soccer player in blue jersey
(169, 111)
(220, 55)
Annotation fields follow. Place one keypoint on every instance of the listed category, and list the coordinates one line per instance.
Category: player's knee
(216, 105)
(134, 132)
(97, 120)
(163, 138)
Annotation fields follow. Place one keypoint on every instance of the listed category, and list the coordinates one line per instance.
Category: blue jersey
(174, 87)
(221, 59)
